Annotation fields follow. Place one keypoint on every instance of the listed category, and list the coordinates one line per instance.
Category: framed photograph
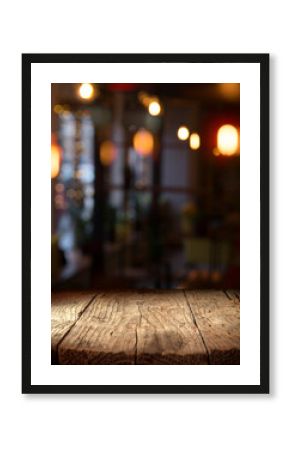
(145, 223)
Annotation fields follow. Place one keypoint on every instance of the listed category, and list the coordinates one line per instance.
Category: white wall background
(109, 422)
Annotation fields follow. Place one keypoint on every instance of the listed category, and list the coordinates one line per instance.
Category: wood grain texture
(105, 333)
(166, 333)
(66, 308)
(146, 327)
(218, 320)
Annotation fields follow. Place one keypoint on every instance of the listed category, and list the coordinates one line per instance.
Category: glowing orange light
(230, 91)
(143, 142)
(151, 103)
(183, 133)
(194, 141)
(86, 91)
(144, 98)
(228, 140)
(108, 153)
(55, 157)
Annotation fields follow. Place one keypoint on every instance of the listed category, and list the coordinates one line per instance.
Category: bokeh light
(144, 98)
(230, 91)
(86, 91)
(143, 142)
(228, 140)
(183, 133)
(58, 109)
(108, 153)
(194, 141)
(154, 108)
(55, 157)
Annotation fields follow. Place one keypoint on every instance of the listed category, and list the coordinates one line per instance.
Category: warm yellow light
(144, 98)
(58, 109)
(143, 142)
(55, 158)
(154, 108)
(216, 152)
(86, 91)
(108, 153)
(183, 133)
(230, 91)
(194, 141)
(228, 140)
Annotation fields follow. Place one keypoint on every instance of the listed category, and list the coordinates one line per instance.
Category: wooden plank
(166, 333)
(218, 320)
(66, 308)
(105, 333)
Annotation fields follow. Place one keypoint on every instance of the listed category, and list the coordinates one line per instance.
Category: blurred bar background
(145, 186)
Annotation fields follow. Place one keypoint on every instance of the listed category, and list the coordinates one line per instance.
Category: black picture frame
(263, 61)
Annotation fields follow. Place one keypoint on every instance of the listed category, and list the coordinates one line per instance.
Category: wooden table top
(146, 327)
